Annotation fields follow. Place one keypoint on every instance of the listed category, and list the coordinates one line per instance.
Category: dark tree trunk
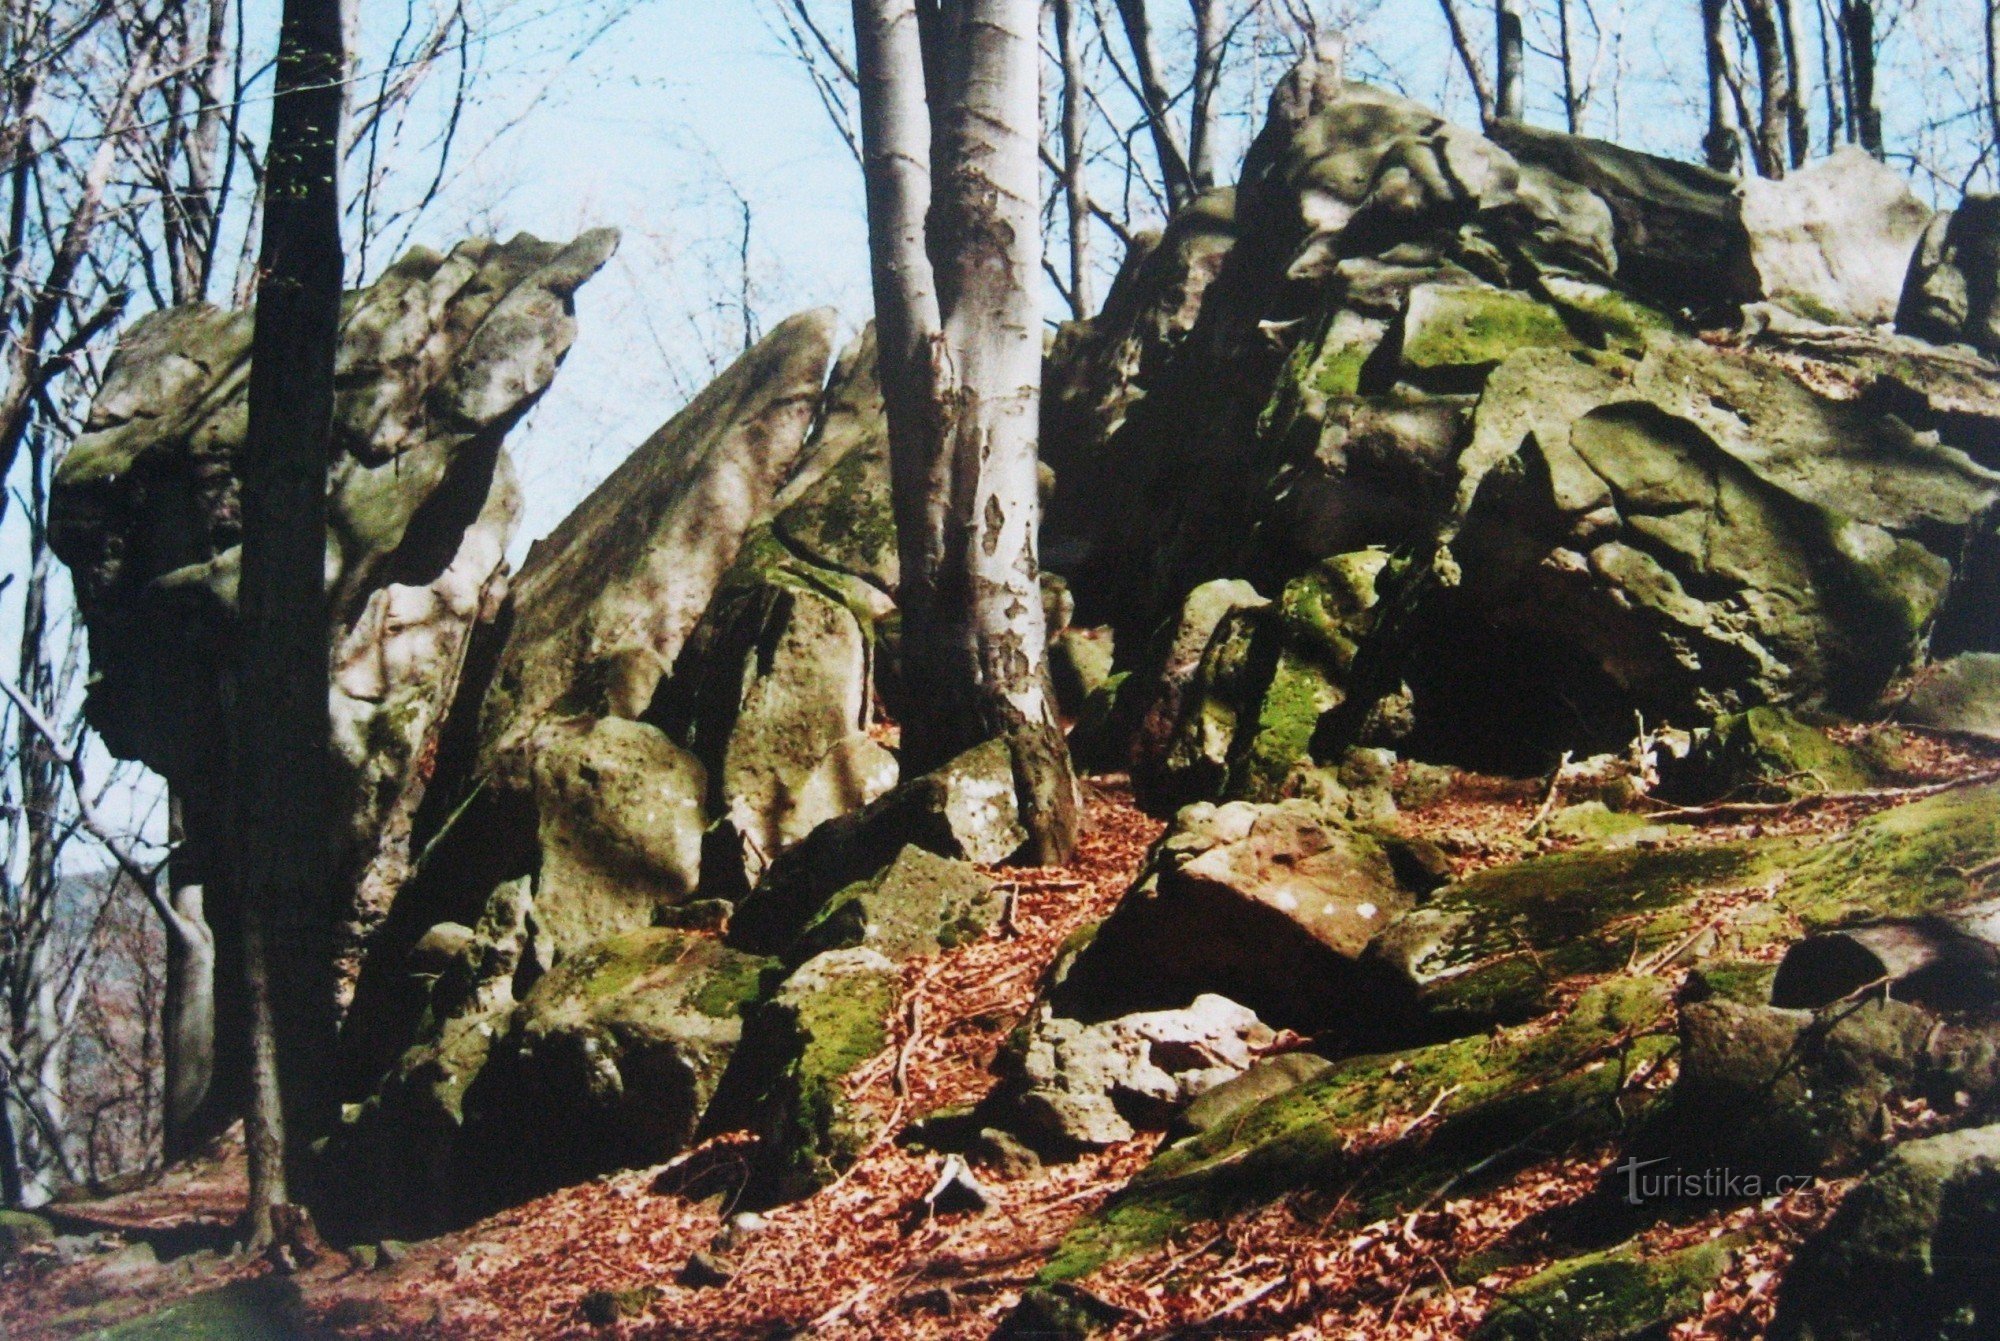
(1857, 23)
(1510, 97)
(1773, 88)
(280, 780)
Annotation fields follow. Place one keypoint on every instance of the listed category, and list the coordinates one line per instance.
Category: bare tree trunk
(1069, 52)
(1833, 75)
(1208, 28)
(1720, 144)
(1769, 145)
(280, 740)
(1510, 99)
(954, 263)
(1475, 71)
(1174, 170)
(1857, 23)
(203, 153)
(1572, 107)
(1798, 124)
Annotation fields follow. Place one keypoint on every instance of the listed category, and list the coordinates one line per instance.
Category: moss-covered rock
(1621, 1294)
(1489, 1093)
(1770, 753)
(966, 810)
(919, 904)
(1960, 695)
(1909, 1255)
(1784, 1092)
(831, 1015)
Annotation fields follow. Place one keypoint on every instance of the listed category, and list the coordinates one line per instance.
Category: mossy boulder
(610, 1061)
(921, 903)
(965, 811)
(831, 1015)
(620, 815)
(1181, 669)
(1785, 1092)
(1620, 1294)
(1961, 695)
(1770, 753)
(1909, 1256)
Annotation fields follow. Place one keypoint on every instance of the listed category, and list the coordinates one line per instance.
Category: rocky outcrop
(777, 686)
(438, 360)
(1479, 355)
(1960, 695)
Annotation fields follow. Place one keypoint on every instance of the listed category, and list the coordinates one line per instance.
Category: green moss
(1287, 716)
(1489, 1091)
(824, 1030)
(845, 519)
(1614, 1295)
(253, 1310)
(732, 988)
(1902, 862)
(1771, 751)
(1452, 329)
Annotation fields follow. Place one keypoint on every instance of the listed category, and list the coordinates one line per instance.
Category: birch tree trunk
(187, 1025)
(1510, 98)
(281, 730)
(955, 261)
(1076, 202)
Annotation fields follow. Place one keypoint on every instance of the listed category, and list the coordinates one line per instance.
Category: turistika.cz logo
(1722, 1184)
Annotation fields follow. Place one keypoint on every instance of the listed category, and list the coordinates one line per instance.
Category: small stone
(705, 1270)
(1005, 1154)
(393, 1252)
(365, 1256)
(604, 1307)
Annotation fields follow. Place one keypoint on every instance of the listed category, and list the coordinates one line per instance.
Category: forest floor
(861, 1259)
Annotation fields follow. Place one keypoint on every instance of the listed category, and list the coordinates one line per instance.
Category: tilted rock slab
(603, 604)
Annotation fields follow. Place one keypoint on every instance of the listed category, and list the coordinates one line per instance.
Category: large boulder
(620, 822)
(1833, 241)
(437, 361)
(1909, 1256)
(1961, 695)
(1271, 906)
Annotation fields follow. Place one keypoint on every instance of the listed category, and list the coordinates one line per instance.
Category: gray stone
(1093, 1084)
(1960, 695)
(620, 827)
(1270, 905)
(1954, 278)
